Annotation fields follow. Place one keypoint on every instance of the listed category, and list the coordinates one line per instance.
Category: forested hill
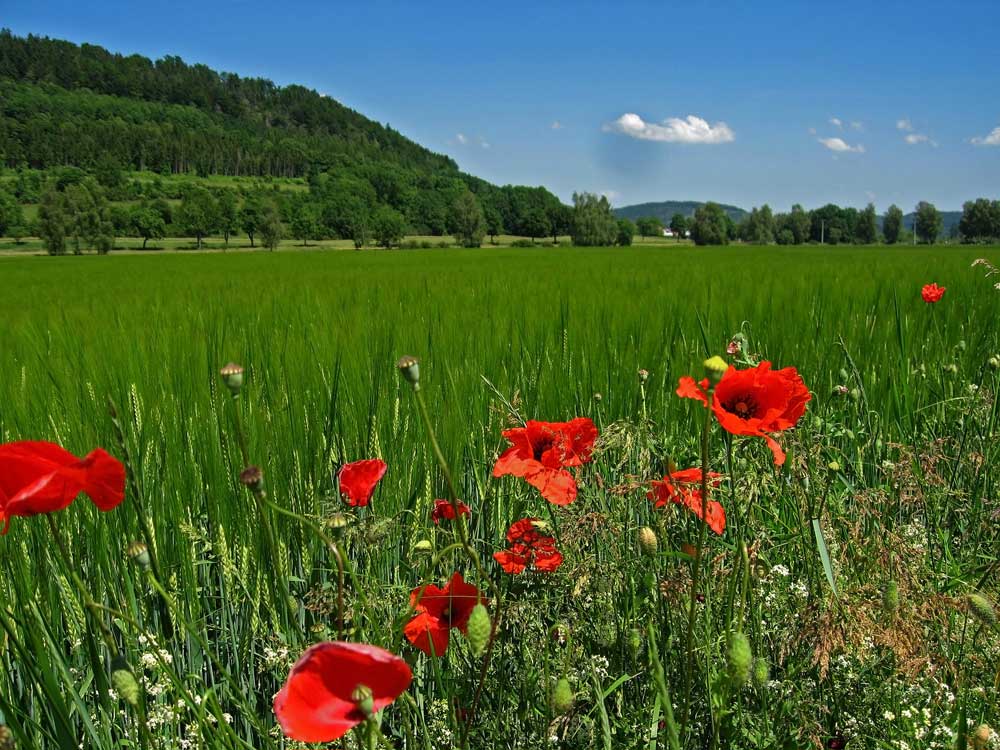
(64, 103)
(665, 210)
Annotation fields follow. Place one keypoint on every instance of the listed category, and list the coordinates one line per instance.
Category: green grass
(555, 333)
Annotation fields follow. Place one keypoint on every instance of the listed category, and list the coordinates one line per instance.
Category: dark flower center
(744, 406)
(544, 444)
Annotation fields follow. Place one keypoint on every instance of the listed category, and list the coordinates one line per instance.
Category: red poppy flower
(528, 547)
(38, 477)
(358, 480)
(684, 488)
(932, 293)
(438, 611)
(445, 511)
(756, 401)
(318, 701)
(541, 452)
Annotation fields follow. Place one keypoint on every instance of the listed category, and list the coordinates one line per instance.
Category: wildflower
(335, 686)
(38, 477)
(684, 488)
(528, 547)
(358, 479)
(756, 401)
(444, 510)
(734, 347)
(438, 611)
(932, 293)
(541, 452)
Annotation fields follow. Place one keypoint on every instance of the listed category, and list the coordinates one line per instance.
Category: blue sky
(914, 86)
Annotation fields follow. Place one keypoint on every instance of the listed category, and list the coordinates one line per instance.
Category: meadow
(861, 573)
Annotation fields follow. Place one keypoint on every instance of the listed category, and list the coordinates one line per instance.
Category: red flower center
(743, 407)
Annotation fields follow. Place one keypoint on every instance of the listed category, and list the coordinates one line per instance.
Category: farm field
(870, 558)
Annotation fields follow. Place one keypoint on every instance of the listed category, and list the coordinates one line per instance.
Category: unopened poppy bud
(363, 698)
(423, 547)
(890, 597)
(252, 477)
(232, 376)
(980, 737)
(6, 738)
(336, 522)
(840, 390)
(993, 363)
(844, 375)
(598, 397)
(647, 541)
(562, 699)
(643, 376)
(409, 367)
(138, 553)
(761, 672)
(961, 345)
(833, 466)
(123, 681)
(715, 368)
(478, 629)
(739, 659)
(855, 394)
(982, 609)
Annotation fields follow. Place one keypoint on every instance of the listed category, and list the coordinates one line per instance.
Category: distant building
(668, 232)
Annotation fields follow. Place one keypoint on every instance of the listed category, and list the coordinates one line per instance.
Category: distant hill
(665, 210)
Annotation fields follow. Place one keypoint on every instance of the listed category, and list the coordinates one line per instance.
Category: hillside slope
(665, 210)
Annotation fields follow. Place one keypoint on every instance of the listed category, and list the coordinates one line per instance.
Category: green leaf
(824, 555)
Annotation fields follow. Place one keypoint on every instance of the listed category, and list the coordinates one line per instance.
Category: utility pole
(822, 231)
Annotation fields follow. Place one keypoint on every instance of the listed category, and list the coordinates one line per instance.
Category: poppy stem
(696, 569)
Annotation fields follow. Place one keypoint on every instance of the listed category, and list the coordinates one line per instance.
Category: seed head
(890, 597)
(252, 477)
(598, 397)
(409, 367)
(232, 376)
(761, 672)
(648, 542)
(363, 698)
(643, 376)
(739, 659)
(982, 609)
(715, 368)
(478, 629)
(562, 699)
(6, 738)
(423, 547)
(993, 363)
(138, 553)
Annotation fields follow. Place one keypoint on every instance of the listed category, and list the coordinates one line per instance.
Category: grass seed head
(982, 609)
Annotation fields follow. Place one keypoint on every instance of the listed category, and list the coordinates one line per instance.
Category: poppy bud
(739, 659)
(961, 345)
(982, 609)
(833, 466)
(123, 681)
(855, 394)
(478, 629)
(252, 477)
(562, 699)
(647, 541)
(138, 553)
(6, 738)
(715, 368)
(364, 699)
(979, 739)
(840, 390)
(890, 597)
(232, 376)
(336, 522)
(643, 376)
(423, 547)
(951, 369)
(844, 375)
(761, 672)
(409, 367)
(993, 363)
(598, 397)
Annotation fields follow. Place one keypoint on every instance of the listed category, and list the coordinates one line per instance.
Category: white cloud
(837, 122)
(461, 138)
(483, 143)
(556, 125)
(857, 125)
(839, 145)
(904, 124)
(611, 195)
(993, 139)
(914, 138)
(691, 129)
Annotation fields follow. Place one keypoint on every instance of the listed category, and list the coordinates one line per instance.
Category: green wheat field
(849, 569)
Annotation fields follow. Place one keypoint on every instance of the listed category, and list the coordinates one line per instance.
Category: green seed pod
(409, 368)
(761, 672)
(363, 698)
(423, 547)
(715, 368)
(138, 553)
(232, 376)
(993, 363)
(833, 466)
(890, 597)
(478, 629)
(739, 659)
(648, 542)
(961, 345)
(123, 681)
(562, 699)
(844, 375)
(982, 609)
(635, 642)
(6, 738)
